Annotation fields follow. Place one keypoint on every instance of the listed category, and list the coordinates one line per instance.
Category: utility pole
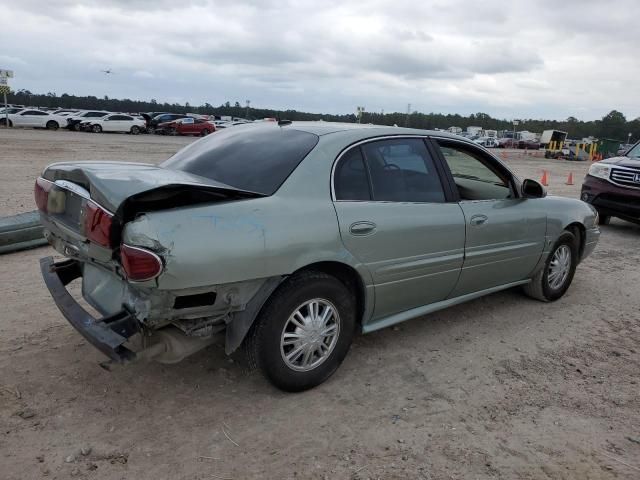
(247, 114)
(4, 87)
(406, 123)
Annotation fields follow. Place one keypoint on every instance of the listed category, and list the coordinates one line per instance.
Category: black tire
(263, 344)
(205, 132)
(135, 130)
(3, 122)
(172, 131)
(52, 125)
(540, 287)
(76, 127)
(96, 128)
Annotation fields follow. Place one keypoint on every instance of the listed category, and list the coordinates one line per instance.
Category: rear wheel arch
(348, 275)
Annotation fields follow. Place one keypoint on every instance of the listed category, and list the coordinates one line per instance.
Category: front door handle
(362, 228)
(478, 220)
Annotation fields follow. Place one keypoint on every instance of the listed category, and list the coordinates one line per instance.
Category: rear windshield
(256, 158)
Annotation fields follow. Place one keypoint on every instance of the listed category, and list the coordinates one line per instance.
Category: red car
(186, 126)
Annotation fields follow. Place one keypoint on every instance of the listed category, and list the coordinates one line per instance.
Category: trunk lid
(87, 202)
(113, 185)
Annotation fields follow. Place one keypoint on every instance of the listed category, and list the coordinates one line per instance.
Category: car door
(28, 118)
(505, 233)
(395, 218)
(124, 123)
(111, 123)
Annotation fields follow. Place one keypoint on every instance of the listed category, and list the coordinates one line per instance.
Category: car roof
(366, 130)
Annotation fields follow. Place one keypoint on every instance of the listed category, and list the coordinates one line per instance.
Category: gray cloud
(521, 58)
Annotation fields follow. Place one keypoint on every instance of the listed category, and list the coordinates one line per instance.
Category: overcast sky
(515, 59)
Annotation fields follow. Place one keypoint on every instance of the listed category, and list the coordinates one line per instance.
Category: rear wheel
(52, 125)
(304, 331)
(96, 128)
(3, 122)
(552, 281)
(135, 130)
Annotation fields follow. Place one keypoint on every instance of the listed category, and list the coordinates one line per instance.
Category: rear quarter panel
(248, 239)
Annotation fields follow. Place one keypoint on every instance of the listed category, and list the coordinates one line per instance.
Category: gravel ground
(500, 387)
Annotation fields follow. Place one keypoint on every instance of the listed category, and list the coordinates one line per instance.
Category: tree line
(613, 125)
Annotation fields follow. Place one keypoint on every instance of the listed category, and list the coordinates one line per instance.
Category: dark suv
(612, 186)
(152, 125)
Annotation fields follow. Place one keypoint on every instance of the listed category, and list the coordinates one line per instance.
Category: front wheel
(204, 132)
(135, 130)
(52, 125)
(304, 331)
(96, 129)
(552, 281)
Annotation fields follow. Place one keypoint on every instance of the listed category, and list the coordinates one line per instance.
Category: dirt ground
(501, 387)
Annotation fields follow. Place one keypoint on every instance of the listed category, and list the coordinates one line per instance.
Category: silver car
(288, 238)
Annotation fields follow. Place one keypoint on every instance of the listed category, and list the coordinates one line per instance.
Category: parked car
(507, 143)
(518, 143)
(487, 142)
(74, 121)
(529, 144)
(186, 126)
(612, 186)
(291, 237)
(32, 118)
(163, 118)
(148, 116)
(9, 110)
(115, 122)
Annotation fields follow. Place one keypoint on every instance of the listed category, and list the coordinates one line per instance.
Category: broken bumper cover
(107, 334)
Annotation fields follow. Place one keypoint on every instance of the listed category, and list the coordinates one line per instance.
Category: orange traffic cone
(544, 180)
(570, 179)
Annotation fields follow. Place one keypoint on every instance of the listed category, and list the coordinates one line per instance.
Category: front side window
(634, 152)
(474, 175)
(402, 170)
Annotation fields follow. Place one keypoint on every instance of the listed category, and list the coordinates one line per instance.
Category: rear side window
(402, 170)
(351, 179)
(253, 158)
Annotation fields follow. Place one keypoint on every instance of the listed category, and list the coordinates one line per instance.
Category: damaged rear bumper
(107, 334)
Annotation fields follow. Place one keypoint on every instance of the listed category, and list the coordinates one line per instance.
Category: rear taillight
(97, 224)
(139, 264)
(41, 192)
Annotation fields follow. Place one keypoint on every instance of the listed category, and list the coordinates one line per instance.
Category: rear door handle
(478, 220)
(362, 228)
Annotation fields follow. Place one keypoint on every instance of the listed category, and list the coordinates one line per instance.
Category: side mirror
(532, 189)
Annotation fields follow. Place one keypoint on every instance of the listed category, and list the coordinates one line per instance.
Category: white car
(30, 117)
(115, 122)
(74, 121)
(488, 142)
